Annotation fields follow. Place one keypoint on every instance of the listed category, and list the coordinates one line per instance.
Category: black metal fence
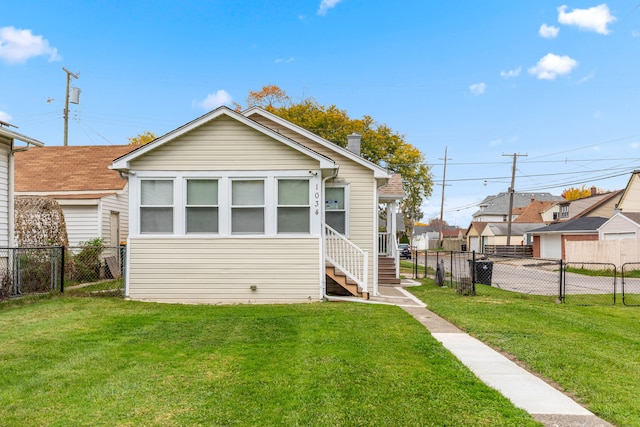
(571, 283)
(37, 270)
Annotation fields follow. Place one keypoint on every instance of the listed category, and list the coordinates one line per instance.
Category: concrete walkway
(525, 390)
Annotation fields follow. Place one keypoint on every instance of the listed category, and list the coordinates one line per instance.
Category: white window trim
(308, 205)
(224, 201)
(185, 206)
(139, 206)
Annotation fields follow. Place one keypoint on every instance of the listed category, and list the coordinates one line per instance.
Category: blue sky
(559, 82)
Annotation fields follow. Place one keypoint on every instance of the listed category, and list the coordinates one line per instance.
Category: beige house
(249, 208)
(8, 150)
(94, 198)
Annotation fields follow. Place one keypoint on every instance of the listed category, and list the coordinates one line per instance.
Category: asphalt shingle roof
(69, 168)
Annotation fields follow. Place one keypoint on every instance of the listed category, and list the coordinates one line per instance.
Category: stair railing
(345, 256)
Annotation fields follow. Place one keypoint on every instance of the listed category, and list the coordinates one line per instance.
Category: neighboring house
(474, 236)
(249, 208)
(596, 205)
(630, 198)
(94, 198)
(496, 208)
(495, 233)
(549, 241)
(8, 150)
(534, 211)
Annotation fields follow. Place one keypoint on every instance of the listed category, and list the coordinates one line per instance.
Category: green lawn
(69, 361)
(592, 352)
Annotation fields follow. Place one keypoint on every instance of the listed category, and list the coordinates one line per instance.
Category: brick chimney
(353, 143)
(594, 191)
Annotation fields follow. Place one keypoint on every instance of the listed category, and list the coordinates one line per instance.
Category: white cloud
(597, 115)
(635, 33)
(548, 31)
(478, 88)
(593, 19)
(17, 46)
(635, 145)
(325, 5)
(5, 117)
(284, 61)
(215, 100)
(495, 143)
(551, 66)
(511, 73)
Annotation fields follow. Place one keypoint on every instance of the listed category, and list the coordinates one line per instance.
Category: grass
(106, 361)
(591, 352)
(603, 273)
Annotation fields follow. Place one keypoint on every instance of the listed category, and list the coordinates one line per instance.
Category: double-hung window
(201, 210)
(293, 206)
(335, 214)
(156, 206)
(247, 207)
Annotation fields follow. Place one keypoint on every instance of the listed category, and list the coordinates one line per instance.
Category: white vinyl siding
(618, 227)
(223, 144)
(4, 195)
(115, 203)
(210, 270)
(82, 223)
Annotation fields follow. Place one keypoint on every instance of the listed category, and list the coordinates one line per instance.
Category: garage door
(619, 236)
(551, 246)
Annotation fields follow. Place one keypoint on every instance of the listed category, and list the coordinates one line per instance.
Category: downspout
(323, 261)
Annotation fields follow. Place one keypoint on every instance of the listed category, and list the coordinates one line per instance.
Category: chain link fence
(27, 271)
(571, 283)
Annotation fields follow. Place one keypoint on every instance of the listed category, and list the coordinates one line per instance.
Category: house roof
(582, 207)
(379, 172)
(478, 226)
(587, 224)
(123, 162)
(633, 216)
(392, 190)
(499, 204)
(533, 212)
(69, 169)
(15, 135)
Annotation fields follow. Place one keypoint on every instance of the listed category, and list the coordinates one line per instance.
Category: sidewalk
(525, 390)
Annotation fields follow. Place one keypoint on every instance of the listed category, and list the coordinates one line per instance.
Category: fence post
(473, 272)
(62, 269)
(451, 274)
(560, 293)
(426, 250)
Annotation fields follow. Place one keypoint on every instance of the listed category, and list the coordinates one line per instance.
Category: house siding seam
(223, 270)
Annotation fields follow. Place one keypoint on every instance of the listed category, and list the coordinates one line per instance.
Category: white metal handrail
(346, 257)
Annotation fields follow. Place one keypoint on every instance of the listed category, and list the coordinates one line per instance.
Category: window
(564, 211)
(156, 206)
(335, 211)
(202, 206)
(293, 206)
(247, 207)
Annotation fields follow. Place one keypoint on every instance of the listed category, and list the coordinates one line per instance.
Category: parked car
(405, 250)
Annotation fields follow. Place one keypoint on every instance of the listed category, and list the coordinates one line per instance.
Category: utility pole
(511, 191)
(444, 177)
(66, 104)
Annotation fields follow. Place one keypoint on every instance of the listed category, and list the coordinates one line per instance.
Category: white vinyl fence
(615, 252)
